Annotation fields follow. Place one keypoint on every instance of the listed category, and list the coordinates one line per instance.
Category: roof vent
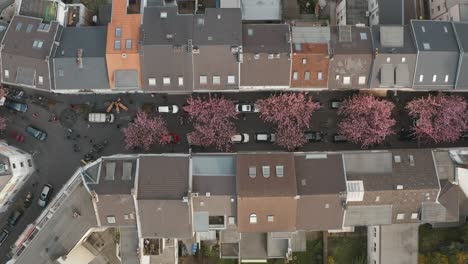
(397, 159)
(124, 55)
(266, 171)
(208, 194)
(411, 160)
(252, 172)
(280, 171)
(163, 15)
(399, 187)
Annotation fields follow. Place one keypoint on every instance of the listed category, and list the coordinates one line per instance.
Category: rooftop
(351, 40)
(393, 39)
(115, 176)
(392, 12)
(266, 175)
(305, 34)
(434, 35)
(266, 38)
(261, 9)
(163, 177)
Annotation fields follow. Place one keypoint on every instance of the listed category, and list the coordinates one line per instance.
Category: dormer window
(280, 171)
(37, 44)
(118, 32)
(252, 172)
(253, 218)
(43, 27)
(266, 171)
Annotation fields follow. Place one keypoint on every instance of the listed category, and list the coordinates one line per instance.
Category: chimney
(79, 58)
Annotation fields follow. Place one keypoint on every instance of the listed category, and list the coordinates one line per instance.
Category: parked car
(170, 109)
(45, 195)
(240, 138)
(314, 136)
(15, 217)
(337, 138)
(335, 104)
(36, 133)
(101, 117)
(265, 137)
(17, 106)
(3, 236)
(246, 108)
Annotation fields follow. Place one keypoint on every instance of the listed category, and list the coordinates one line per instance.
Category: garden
(443, 245)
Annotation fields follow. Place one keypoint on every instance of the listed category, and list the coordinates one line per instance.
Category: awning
(387, 76)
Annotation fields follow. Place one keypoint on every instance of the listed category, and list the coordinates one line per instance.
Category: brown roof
(266, 186)
(283, 210)
(163, 177)
(266, 38)
(120, 206)
(164, 219)
(311, 48)
(216, 205)
(319, 212)
(320, 174)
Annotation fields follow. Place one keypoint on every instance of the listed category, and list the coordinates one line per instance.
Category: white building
(15, 168)
(449, 10)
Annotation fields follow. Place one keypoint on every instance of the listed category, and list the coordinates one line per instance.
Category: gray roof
(413, 169)
(91, 73)
(461, 31)
(356, 12)
(391, 12)
(402, 75)
(368, 215)
(320, 212)
(216, 165)
(304, 34)
(266, 38)
(163, 177)
(320, 174)
(276, 248)
(398, 243)
(3, 28)
(351, 40)
(387, 75)
(261, 9)
(439, 35)
(104, 14)
(253, 246)
(391, 36)
(200, 221)
(126, 79)
(215, 27)
(115, 176)
(164, 219)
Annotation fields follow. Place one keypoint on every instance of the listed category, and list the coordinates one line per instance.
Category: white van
(101, 117)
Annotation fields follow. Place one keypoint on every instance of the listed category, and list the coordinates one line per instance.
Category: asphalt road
(56, 159)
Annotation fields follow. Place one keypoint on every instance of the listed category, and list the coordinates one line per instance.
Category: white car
(171, 109)
(265, 137)
(45, 195)
(240, 138)
(246, 108)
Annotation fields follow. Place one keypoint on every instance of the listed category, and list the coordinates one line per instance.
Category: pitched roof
(319, 212)
(304, 34)
(115, 176)
(434, 35)
(412, 169)
(163, 177)
(266, 175)
(120, 206)
(320, 174)
(266, 38)
(164, 219)
(351, 40)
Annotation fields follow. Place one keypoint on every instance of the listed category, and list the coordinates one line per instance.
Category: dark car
(14, 217)
(3, 236)
(313, 136)
(19, 107)
(337, 138)
(36, 133)
(335, 104)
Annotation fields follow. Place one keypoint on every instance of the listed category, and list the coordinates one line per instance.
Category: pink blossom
(145, 131)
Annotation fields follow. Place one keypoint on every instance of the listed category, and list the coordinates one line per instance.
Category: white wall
(437, 8)
(373, 244)
(341, 13)
(373, 8)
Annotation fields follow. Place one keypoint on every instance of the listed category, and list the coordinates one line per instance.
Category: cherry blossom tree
(440, 118)
(366, 120)
(144, 131)
(291, 113)
(213, 121)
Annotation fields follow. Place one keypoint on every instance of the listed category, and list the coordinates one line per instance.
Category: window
(270, 218)
(43, 27)
(40, 79)
(279, 171)
(37, 44)
(152, 81)
(346, 80)
(7, 73)
(250, 32)
(118, 32)
(231, 79)
(421, 78)
(319, 76)
(362, 80)
(29, 163)
(266, 171)
(18, 26)
(445, 29)
(117, 44)
(307, 75)
(403, 59)
(414, 216)
(446, 78)
(111, 219)
(388, 59)
(29, 28)
(203, 79)
(426, 46)
(434, 78)
(21, 164)
(163, 15)
(295, 76)
(438, 8)
(167, 80)
(423, 29)
(14, 165)
(253, 218)
(363, 35)
(304, 61)
(128, 44)
(181, 81)
(216, 79)
(252, 172)
(400, 216)
(377, 199)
